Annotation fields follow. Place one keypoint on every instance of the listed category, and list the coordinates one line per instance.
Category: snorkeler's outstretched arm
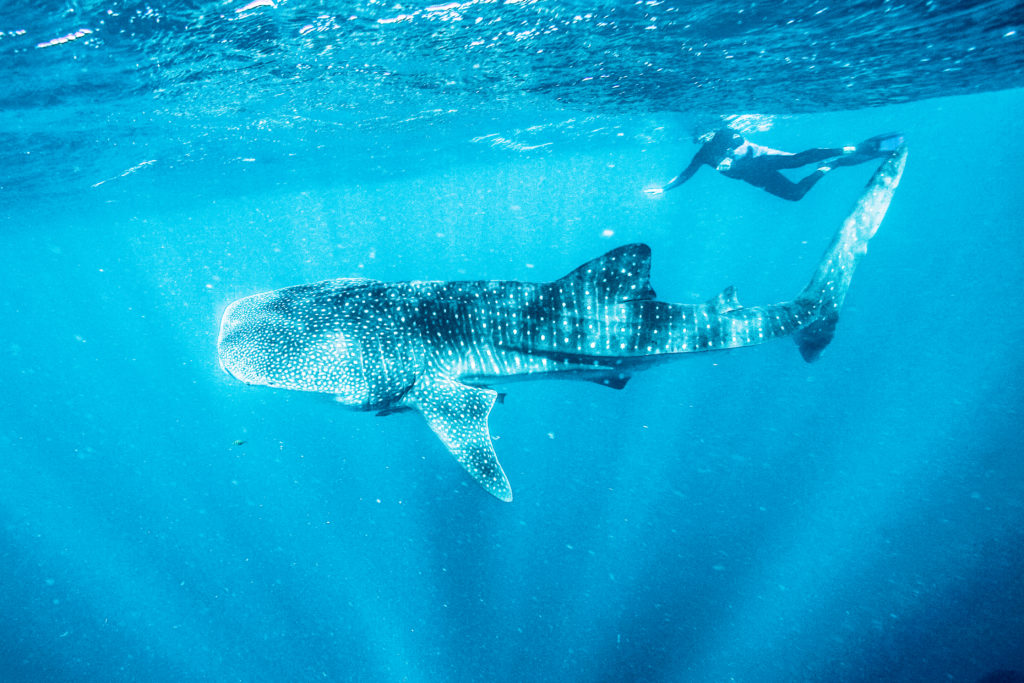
(685, 175)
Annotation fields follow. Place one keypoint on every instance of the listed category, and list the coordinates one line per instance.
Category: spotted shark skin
(436, 347)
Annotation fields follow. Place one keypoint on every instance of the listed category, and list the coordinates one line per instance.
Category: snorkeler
(728, 153)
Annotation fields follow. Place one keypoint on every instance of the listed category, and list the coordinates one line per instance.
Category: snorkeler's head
(725, 138)
(704, 137)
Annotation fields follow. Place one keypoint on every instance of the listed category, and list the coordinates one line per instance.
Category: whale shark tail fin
(813, 339)
(824, 294)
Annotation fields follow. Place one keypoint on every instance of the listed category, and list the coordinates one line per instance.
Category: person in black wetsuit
(728, 153)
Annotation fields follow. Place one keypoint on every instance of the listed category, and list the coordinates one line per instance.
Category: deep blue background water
(744, 516)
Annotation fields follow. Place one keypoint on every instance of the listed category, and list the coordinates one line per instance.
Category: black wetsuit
(732, 156)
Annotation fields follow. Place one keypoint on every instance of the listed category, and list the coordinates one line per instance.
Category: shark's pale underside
(436, 347)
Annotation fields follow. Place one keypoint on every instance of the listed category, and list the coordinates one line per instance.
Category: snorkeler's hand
(654, 191)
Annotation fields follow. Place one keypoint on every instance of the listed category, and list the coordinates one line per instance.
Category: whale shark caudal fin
(457, 413)
(825, 293)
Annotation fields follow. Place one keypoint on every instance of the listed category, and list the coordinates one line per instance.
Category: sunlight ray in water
(738, 516)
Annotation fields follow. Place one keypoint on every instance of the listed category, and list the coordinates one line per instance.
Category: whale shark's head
(295, 338)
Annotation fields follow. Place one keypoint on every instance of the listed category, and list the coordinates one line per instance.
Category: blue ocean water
(731, 517)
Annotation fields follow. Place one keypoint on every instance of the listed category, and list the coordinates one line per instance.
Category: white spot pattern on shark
(435, 347)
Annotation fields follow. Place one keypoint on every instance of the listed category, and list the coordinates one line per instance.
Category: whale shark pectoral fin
(613, 381)
(457, 413)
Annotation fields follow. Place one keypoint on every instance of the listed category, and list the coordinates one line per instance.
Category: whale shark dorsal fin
(457, 413)
(623, 274)
(724, 302)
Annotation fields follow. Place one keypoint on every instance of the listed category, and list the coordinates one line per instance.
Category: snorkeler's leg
(850, 160)
(808, 156)
(781, 186)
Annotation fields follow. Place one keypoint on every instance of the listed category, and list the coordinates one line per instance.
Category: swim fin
(873, 148)
(880, 145)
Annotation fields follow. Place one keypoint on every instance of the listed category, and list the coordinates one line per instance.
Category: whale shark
(438, 347)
